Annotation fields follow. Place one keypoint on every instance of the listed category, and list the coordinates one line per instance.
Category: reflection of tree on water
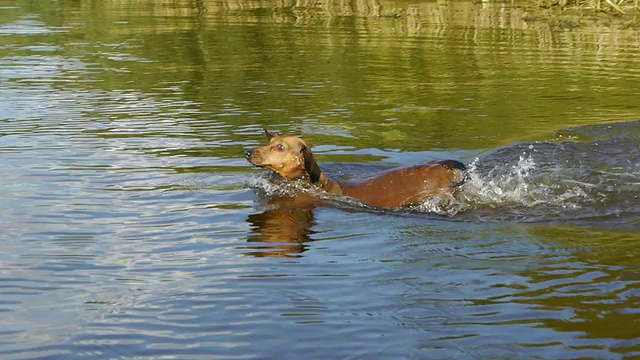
(284, 227)
(447, 51)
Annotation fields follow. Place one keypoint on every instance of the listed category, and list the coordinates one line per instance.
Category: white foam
(522, 187)
(498, 186)
(271, 185)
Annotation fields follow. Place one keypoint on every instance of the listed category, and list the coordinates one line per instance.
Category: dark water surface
(132, 226)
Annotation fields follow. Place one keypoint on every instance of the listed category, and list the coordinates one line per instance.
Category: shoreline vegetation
(615, 7)
(558, 14)
(570, 13)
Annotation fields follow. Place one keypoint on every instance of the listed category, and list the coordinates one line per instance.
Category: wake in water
(527, 190)
(595, 176)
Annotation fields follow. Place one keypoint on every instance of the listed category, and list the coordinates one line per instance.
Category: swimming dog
(291, 158)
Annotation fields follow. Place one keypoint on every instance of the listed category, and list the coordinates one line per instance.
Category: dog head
(289, 156)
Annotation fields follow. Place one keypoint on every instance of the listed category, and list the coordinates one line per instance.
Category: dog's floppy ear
(310, 164)
(270, 135)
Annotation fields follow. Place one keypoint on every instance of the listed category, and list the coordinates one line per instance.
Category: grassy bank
(406, 16)
(568, 14)
(620, 7)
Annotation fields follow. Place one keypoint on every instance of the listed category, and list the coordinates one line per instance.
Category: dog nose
(248, 153)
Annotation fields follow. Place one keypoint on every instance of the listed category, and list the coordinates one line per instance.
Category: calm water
(132, 226)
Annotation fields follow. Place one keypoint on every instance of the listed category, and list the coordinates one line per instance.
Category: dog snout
(248, 153)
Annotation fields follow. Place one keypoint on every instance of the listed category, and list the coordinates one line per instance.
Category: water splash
(523, 190)
(508, 186)
(590, 181)
(269, 185)
(497, 187)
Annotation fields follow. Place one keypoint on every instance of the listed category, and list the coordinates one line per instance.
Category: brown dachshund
(291, 157)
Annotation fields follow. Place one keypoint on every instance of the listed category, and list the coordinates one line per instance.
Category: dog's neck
(328, 185)
(317, 177)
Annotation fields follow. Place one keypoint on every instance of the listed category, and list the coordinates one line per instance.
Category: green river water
(133, 227)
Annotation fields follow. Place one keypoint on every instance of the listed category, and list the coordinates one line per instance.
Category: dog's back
(408, 186)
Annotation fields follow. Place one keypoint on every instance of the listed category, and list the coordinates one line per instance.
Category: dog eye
(280, 147)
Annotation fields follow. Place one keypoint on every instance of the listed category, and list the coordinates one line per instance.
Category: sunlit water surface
(132, 226)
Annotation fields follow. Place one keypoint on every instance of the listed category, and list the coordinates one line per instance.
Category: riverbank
(563, 14)
(619, 7)
(557, 14)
